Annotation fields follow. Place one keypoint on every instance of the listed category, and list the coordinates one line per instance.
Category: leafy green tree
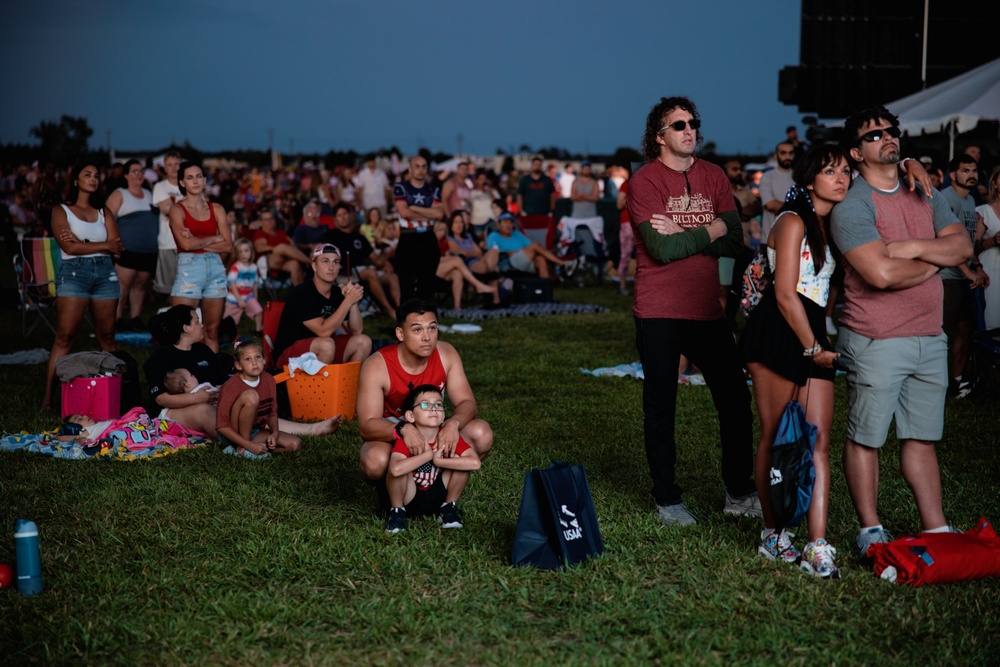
(65, 141)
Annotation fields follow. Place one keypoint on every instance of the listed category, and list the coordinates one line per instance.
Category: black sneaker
(448, 516)
(396, 521)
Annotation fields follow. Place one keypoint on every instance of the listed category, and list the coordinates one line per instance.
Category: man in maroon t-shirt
(684, 218)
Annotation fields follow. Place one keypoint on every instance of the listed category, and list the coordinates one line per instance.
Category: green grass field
(201, 558)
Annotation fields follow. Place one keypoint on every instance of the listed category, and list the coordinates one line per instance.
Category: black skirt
(767, 339)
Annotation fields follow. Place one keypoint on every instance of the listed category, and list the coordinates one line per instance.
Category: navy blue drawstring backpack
(792, 470)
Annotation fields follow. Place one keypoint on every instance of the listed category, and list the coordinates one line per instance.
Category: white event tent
(953, 106)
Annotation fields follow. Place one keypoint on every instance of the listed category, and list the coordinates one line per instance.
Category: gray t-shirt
(965, 210)
(774, 184)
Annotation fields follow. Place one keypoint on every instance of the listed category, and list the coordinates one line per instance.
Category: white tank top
(131, 203)
(95, 232)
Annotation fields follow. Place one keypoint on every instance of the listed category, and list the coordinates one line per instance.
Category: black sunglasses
(876, 135)
(679, 125)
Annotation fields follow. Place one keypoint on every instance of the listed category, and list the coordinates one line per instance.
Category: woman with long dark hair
(88, 239)
(179, 333)
(786, 346)
(202, 235)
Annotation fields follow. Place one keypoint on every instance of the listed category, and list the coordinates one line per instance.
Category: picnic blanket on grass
(521, 310)
(36, 356)
(135, 338)
(134, 436)
(634, 370)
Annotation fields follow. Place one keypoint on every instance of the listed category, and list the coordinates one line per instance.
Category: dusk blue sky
(362, 75)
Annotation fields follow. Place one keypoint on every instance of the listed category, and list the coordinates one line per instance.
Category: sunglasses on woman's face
(876, 135)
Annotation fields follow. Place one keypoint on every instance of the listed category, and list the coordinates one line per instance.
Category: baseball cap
(325, 249)
(507, 216)
(926, 159)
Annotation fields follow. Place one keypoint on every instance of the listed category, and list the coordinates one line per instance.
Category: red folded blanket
(937, 558)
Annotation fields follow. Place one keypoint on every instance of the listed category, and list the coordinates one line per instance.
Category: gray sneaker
(748, 505)
(866, 538)
(675, 515)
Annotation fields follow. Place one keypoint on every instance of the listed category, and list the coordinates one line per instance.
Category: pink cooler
(99, 398)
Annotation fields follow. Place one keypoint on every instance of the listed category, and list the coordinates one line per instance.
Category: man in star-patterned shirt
(419, 206)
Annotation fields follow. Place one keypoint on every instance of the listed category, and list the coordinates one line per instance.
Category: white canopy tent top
(956, 105)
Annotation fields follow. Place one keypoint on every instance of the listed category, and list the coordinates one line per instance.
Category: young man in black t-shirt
(315, 310)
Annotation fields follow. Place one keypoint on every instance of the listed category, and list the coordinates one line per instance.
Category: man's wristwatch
(399, 428)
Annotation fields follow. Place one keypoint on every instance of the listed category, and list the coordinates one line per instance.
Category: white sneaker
(675, 515)
(748, 505)
(866, 538)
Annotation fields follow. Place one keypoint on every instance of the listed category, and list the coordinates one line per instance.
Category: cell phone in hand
(842, 363)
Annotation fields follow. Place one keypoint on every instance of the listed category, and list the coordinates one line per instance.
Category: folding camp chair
(274, 281)
(36, 266)
(272, 316)
(539, 228)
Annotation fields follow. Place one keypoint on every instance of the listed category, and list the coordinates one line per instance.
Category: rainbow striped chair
(36, 268)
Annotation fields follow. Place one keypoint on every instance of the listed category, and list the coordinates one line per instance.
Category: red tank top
(200, 229)
(401, 382)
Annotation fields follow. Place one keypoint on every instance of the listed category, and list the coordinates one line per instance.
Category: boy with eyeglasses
(430, 482)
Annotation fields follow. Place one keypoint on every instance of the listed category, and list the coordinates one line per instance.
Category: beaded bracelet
(812, 351)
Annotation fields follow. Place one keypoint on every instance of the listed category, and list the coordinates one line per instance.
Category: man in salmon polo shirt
(894, 240)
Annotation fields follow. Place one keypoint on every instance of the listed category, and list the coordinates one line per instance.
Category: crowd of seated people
(286, 212)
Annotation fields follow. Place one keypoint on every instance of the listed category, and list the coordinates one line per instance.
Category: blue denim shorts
(231, 448)
(200, 276)
(88, 278)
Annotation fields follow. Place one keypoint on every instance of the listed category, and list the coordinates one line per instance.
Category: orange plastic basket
(332, 391)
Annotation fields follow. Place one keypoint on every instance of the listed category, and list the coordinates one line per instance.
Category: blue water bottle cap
(25, 528)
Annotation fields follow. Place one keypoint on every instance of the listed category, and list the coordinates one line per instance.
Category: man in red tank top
(389, 374)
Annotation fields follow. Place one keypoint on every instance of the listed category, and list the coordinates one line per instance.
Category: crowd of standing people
(860, 205)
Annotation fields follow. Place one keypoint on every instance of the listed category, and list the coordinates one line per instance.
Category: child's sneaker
(778, 546)
(448, 516)
(396, 521)
(818, 560)
(876, 535)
